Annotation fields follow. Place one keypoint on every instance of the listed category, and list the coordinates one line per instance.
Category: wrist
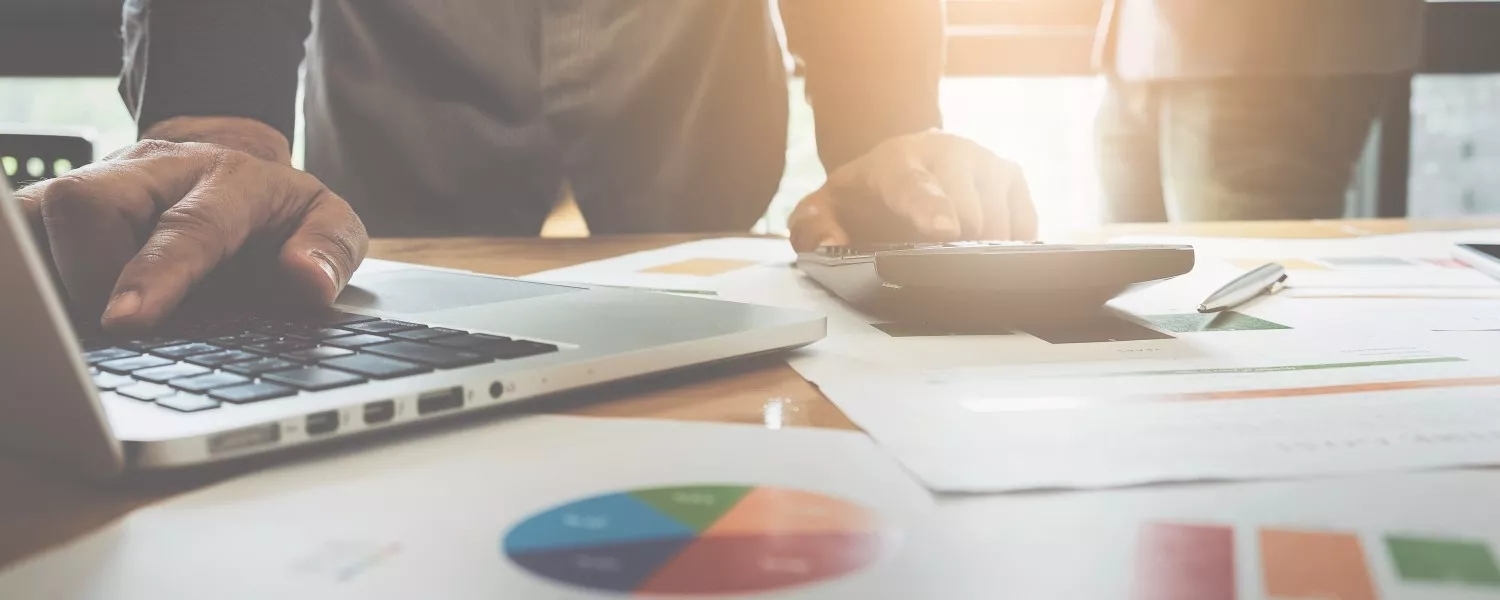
(237, 133)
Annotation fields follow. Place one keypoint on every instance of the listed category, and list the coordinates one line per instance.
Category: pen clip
(1276, 286)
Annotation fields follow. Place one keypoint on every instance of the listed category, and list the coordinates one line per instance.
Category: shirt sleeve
(214, 58)
(872, 69)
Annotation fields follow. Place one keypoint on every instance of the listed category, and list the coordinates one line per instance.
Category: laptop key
(124, 366)
(426, 333)
(312, 355)
(495, 346)
(522, 349)
(254, 392)
(240, 340)
(185, 350)
(327, 333)
(472, 342)
(338, 318)
(442, 358)
(94, 357)
(147, 392)
(187, 403)
(168, 373)
(109, 381)
(383, 326)
(203, 383)
(314, 378)
(287, 328)
(279, 346)
(146, 344)
(219, 359)
(355, 342)
(257, 367)
(376, 367)
(91, 343)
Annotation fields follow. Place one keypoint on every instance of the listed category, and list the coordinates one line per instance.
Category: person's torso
(1188, 39)
(480, 108)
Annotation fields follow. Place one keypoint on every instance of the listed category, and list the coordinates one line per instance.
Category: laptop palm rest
(413, 291)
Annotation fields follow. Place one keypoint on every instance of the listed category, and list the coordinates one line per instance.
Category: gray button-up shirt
(439, 117)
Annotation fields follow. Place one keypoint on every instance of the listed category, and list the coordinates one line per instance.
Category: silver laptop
(404, 344)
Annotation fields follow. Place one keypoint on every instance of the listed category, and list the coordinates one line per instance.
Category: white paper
(636, 270)
(423, 518)
(1087, 432)
(1297, 370)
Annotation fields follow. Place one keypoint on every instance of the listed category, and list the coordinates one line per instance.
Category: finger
(192, 236)
(322, 254)
(92, 232)
(210, 204)
(814, 223)
(31, 210)
(90, 226)
(961, 184)
(1011, 214)
(917, 196)
(1023, 218)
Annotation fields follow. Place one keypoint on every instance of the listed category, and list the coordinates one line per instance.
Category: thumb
(917, 195)
(322, 254)
(813, 223)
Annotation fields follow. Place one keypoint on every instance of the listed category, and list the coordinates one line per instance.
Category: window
(87, 106)
(1020, 83)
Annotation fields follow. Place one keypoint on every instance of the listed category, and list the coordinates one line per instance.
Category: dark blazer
(1190, 39)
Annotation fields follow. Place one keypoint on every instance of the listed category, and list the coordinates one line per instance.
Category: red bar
(1314, 564)
(1185, 562)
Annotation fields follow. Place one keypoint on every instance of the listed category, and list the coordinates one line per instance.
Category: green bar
(1435, 560)
(1199, 322)
(649, 289)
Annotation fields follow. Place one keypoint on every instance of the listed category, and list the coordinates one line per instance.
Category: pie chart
(698, 540)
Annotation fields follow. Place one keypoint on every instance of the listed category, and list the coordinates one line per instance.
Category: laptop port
(440, 400)
(323, 422)
(247, 437)
(381, 411)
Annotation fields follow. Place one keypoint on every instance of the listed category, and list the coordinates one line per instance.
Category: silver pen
(1265, 279)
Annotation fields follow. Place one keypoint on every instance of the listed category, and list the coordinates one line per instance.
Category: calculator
(989, 281)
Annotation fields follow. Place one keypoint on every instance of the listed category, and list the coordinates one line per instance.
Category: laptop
(403, 345)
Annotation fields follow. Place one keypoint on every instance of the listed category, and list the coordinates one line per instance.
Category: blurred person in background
(1244, 109)
(467, 117)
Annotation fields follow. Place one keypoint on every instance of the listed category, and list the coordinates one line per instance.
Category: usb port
(323, 422)
(440, 400)
(381, 411)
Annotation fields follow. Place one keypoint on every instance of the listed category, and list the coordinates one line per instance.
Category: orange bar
(1352, 388)
(1314, 564)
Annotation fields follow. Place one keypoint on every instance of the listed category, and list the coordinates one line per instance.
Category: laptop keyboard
(198, 366)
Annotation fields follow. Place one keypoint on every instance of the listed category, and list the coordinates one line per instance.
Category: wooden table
(40, 508)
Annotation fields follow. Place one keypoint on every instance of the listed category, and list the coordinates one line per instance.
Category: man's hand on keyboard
(129, 236)
(928, 187)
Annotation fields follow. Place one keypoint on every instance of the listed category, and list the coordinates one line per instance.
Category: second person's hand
(929, 186)
(129, 236)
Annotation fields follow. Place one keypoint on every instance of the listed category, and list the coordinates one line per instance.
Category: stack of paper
(1379, 356)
